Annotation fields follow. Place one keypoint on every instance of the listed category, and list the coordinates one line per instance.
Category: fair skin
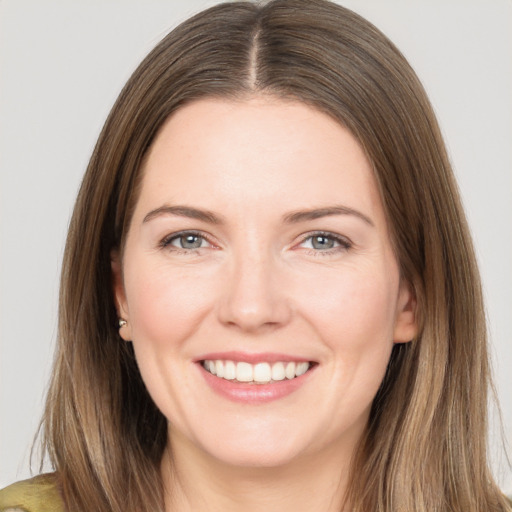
(255, 285)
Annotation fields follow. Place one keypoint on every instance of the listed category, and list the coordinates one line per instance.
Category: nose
(253, 296)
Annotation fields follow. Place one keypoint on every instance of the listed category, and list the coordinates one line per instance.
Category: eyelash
(344, 243)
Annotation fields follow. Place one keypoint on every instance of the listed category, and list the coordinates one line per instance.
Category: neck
(196, 481)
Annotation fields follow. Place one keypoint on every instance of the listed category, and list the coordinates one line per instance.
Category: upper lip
(253, 358)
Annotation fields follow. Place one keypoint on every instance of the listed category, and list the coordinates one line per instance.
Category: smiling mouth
(259, 373)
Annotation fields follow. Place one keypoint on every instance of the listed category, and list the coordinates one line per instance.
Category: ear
(120, 295)
(406, 322)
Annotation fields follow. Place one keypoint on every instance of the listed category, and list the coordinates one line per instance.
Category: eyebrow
(317, 213)
(184, 211)
(294, 217)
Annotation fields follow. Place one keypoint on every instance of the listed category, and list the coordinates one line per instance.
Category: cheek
(354, 307)
(354, 316)
(166, 305)
(353, 312)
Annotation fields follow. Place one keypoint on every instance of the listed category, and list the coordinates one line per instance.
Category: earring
(122, 322)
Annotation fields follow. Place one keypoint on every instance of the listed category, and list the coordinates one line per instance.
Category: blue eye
(326, 243)
(318, 244)
(322, 242)
(185, 241)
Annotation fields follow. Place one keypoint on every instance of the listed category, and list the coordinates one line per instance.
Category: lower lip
(254, 393)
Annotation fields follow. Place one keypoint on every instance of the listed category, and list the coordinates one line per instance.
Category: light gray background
(62, 64)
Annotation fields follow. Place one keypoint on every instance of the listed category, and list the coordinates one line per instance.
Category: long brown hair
(425, 445)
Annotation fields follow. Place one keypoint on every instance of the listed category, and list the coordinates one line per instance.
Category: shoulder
(39, 494)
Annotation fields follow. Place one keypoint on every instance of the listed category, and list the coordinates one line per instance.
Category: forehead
(261, 153)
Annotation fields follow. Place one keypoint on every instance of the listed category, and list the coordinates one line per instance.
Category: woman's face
(259, 249)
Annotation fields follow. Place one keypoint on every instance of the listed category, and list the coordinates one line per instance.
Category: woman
(269, 284)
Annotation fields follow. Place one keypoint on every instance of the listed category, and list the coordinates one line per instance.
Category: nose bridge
(252, 297)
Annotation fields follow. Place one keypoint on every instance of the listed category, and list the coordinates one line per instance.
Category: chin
(255, 458)
(264, 448)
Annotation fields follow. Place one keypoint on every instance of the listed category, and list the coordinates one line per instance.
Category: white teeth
(289, 371)
(230, 370)
(244, 372)
(301, 369)
(261, 373)
(278, 371)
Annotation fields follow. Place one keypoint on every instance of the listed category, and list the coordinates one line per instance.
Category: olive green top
(39, 494)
